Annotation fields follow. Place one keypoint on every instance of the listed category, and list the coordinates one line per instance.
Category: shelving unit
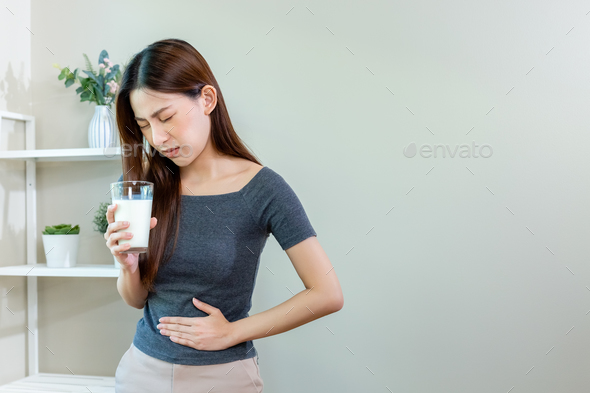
(41, 270)
(35, 381)
(82, 154)
(45, 383)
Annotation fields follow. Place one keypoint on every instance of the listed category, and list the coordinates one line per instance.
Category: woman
(214, 207)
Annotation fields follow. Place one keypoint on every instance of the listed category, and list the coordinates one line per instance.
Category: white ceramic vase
(61, 250)
(102, 130)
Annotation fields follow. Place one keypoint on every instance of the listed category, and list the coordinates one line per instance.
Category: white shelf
(80, 154)
(44, 382)
(41, 270)
(30, 269)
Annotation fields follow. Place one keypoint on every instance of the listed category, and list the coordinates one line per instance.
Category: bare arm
(321, 297)
(129, 282)
(131, 289)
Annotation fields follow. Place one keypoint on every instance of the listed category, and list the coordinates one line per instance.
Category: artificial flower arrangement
(99, 87)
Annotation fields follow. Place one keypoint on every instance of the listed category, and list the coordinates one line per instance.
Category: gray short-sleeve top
(216, 260)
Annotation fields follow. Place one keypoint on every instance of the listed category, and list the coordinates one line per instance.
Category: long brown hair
(167, 66)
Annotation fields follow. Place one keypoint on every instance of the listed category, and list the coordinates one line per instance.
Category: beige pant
(139, 372)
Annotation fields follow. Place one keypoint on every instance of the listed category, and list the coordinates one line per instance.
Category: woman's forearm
(302, 308)
(131, 289)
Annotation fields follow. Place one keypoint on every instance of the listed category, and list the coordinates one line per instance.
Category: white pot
(61, 250)
(102, 130)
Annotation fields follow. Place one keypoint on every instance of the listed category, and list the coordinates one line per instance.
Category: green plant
(100, 218)
(62, 229)
(99, 87)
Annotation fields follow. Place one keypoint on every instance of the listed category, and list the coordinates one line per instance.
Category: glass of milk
(134, 204)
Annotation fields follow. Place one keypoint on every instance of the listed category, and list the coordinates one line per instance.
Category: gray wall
(459, 274)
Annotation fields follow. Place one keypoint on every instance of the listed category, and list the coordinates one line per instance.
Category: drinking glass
(134, 204)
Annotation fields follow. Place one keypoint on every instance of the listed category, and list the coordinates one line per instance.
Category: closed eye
(163, 121)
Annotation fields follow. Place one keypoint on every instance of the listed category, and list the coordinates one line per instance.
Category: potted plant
(101, 223)
(101, 88)
(61, 245)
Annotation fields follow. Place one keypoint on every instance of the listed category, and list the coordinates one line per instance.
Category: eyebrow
(156, 113)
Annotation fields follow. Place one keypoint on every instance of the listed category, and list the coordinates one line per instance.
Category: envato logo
(128, 150)
(464, 151)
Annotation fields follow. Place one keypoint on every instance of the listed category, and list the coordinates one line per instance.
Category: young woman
(214, 207)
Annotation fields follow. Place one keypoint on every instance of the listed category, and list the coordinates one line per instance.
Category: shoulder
(250, 171)
(269, 192)
(264, 183)
(277, 208)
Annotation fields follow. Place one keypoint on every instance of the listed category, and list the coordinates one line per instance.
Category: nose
(160, 134)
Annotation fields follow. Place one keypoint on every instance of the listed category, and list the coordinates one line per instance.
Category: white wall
(15, 96)
(459, 274)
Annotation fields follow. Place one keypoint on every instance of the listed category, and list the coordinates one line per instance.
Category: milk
(139, 214)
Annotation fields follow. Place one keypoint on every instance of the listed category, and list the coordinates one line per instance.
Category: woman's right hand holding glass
(114, 234)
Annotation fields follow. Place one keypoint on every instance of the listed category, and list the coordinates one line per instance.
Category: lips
(171, 152)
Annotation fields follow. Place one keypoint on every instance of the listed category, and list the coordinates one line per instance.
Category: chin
(180, 162)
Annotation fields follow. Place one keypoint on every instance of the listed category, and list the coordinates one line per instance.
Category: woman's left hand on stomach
(211, 333)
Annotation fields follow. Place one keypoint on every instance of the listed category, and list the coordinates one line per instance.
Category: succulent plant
(62, 229)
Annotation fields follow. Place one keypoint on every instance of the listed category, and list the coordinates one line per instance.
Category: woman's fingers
(117, 249)
(153, 222)
(113, 237)
(111, 212)
(110, 219)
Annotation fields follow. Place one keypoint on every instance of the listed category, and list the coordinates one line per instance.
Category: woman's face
(170, 121)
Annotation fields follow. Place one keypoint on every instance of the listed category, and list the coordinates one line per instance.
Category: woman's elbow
(338, 302)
